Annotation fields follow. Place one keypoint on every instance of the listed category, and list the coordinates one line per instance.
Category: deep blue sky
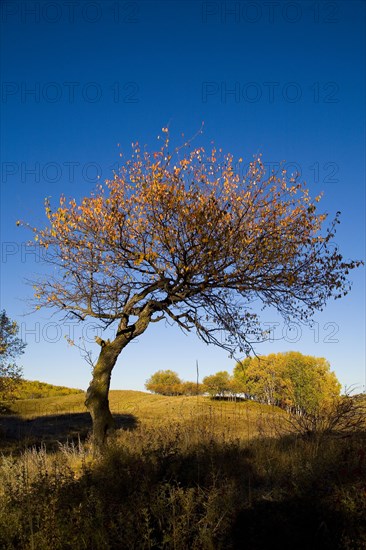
(286, 79)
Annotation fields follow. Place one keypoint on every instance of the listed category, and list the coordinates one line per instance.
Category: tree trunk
(97, 401)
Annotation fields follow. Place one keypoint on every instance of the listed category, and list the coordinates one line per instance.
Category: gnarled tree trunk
(97, 401)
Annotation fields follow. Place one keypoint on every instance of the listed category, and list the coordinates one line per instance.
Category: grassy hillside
(33, 389)
(66, 416)
(180, 473)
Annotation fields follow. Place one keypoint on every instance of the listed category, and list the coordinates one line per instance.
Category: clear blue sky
(283, 78)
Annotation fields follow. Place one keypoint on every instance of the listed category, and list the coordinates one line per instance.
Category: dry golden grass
(239, 419)
(180, 472)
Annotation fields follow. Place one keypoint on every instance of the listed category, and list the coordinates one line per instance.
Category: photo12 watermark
(71, 331)
(228, 12)
(51, 172)
(74, 331)
(23, 252)
(69, 11)
(69, 92)
(75, 172)
(269, 92)
(293, 332)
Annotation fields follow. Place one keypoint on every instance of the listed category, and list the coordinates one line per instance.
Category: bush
(345, 415)
(164, 382)
(167, 382)
(218, 385)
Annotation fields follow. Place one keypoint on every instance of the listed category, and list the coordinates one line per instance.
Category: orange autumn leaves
(183, 227)
(159, 216)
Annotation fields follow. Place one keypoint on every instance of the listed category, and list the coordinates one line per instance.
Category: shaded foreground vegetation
(181, 473)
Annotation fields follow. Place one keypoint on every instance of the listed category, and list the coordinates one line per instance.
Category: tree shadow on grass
(51, 430)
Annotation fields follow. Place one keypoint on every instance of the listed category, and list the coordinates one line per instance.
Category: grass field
(180, 473)
(59, 419)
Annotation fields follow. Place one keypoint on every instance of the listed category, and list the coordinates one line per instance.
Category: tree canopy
(164, 382)
(218, 384)
(167, 382)
(187, 236)
(193, 237)
(301, 383)
(11, 346)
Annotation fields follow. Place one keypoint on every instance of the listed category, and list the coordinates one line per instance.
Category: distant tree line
(293, 381)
